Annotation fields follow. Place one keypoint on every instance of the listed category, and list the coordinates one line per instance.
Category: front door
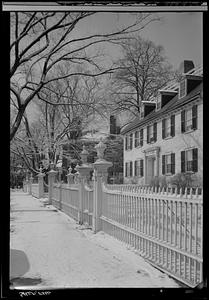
(150, 169)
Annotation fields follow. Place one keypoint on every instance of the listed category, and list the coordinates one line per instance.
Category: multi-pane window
(168, 127)
(129, 169)
(168, 164)
(139, 168)
(129, 142)
(138, 138)
(189, 160)
(152, 133)
(189, 119)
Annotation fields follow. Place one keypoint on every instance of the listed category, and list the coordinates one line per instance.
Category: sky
(180, 33)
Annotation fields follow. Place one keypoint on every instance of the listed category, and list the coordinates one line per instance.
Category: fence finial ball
(100, 148)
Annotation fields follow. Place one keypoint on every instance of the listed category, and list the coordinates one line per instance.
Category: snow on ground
(65, 254)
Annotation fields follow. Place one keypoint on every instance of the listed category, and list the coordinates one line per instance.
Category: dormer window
(182, 88)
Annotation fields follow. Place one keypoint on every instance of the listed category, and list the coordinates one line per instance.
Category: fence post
(30, 184)
(40, 184)
(51, 179)
(100, 175)
(84, 171)
(70, 177)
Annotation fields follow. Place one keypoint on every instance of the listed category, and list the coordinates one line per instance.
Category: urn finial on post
(100, 148)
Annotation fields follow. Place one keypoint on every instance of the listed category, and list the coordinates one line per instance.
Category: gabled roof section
(170, 106)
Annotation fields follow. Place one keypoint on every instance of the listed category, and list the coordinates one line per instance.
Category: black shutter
(141, 168)
(173, 163)
(163, 128)
(183, 121)
(126, 169)
(141, 137)
(126, 143)
(155, 131)
(135, 139)
(147, 134)
(195, 160)
(173, 125)
(131, 141)
(183, 161)
(131, 169)
(194, 117)
(135, 167)
(163, 164)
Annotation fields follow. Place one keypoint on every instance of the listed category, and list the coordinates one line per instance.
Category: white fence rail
(66, 198)
(165, 227)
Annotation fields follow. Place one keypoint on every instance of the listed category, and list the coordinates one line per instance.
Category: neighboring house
(167, 137)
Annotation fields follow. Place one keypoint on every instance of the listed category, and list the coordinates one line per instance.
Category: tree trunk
(17, 122)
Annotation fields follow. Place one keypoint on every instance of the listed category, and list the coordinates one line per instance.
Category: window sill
(189, 131)
(168, 137)
(137, 147)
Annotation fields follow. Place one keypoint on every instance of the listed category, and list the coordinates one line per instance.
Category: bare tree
(143, 70)
(65, 110)
(41, 42)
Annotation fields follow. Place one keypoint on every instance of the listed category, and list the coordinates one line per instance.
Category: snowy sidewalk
(49, 249)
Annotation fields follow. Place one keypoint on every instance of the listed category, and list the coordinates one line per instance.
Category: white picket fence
(166, 227)
(66, 198)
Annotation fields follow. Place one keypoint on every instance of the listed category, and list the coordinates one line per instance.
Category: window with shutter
(163, 164)
(136, 168)
(188, 120)
(183, 121)
(173, 163)
(163, 128)
(195, 160)
(126, 169)
(155, 132)
(131, 141)
(173, 125)
(126, 143)
(194, 117)
(141, 137)
(141, 168)
(168, 164)
(148, 135)
(136, 139)
(182, 161)
(131, 168)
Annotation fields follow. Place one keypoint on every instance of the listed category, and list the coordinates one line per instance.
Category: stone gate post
(40, 184)
(30, 184)
(70, 177)
(51, 179)
(100, 176)
(84, 171)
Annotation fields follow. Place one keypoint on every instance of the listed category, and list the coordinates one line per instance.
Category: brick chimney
(186, 66)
